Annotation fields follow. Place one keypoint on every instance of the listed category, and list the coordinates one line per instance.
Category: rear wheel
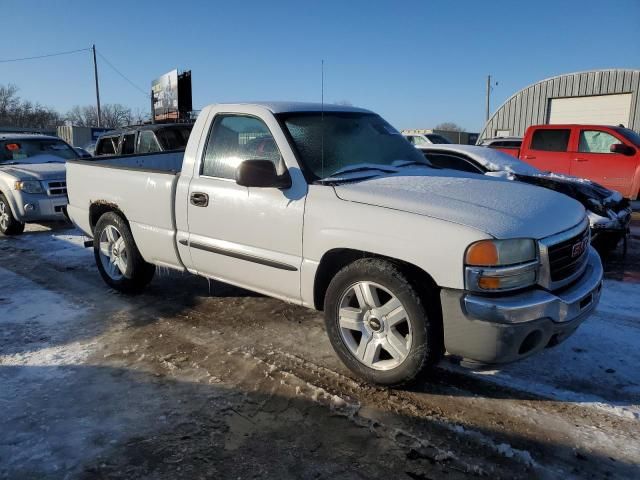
(378, 324)
(8, 223)
(117, 257)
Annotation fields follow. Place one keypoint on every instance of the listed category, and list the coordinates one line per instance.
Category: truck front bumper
(493, 330)
(34, 207)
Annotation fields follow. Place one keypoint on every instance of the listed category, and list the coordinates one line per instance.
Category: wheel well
(9, 202)
(335, 260)
(98, 209)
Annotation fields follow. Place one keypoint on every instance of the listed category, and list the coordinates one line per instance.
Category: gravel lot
(196, 379)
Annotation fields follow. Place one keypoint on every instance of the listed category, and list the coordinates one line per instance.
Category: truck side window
(105, 147)
(147, 142)
(596, 141)
(233, 139)
(550, 140)
(128, 144)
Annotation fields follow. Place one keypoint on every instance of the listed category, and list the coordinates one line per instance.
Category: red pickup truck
(607, 155)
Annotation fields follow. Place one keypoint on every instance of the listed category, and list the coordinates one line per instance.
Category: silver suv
(33, 183)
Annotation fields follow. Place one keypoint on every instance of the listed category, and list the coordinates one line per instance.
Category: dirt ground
(196, 379)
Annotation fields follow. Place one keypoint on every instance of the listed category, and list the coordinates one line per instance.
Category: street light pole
(95, 73)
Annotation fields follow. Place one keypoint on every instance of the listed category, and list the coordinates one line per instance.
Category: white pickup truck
(331, 208)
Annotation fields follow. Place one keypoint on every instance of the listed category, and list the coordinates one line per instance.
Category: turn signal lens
(491, 253)
(482, 253)
(489, 283)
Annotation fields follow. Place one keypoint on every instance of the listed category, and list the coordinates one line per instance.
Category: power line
(45, 56)
(123, 75)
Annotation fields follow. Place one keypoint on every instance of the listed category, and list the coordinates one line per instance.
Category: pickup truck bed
(148, 190)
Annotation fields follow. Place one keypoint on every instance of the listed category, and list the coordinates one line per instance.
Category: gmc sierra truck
(329, 207)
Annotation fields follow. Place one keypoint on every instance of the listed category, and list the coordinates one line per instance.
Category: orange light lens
(482, 253)
(489, 283)
(12, 147)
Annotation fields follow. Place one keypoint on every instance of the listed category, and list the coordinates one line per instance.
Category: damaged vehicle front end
(608, 212)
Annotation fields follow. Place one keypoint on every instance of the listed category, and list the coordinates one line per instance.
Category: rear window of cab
(551, 140)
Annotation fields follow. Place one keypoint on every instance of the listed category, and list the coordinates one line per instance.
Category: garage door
(601, 109)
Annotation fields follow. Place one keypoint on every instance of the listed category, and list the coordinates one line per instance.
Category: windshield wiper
(372, 169)
(410, 163)
(363, 168)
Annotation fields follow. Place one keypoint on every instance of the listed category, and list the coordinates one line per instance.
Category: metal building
(608, 97)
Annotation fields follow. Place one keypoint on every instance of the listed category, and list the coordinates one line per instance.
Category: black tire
(10, 226)
(426, 344)
(137, 273)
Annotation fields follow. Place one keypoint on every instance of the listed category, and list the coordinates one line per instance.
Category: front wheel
(378, 324)
(117, 257)
(8, 223)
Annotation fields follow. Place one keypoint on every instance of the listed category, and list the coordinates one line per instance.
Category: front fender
(7, 191)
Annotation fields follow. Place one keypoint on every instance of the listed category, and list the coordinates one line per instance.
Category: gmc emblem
(579, 248)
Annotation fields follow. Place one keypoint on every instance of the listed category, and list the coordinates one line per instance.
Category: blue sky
(417, 63)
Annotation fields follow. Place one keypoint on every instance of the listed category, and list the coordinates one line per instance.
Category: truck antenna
(322, 118)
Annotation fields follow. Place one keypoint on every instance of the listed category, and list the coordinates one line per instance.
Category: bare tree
(140, 116)
(15, 112)
(114, 115)
(449, 127)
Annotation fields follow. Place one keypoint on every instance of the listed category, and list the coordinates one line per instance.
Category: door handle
(529, 157)
(581, 160)
(199, 199)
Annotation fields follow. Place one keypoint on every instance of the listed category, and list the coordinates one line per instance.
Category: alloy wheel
(113, 252)
(374, 326)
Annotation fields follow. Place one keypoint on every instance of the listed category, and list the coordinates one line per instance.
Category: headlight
(501, 265)
(29, 186)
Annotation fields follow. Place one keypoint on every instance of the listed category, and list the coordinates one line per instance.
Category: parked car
(510, 145)
(609, 214)
(418, 140)
(607, 155)
(32, 180)
(344, 215)
(144, 139)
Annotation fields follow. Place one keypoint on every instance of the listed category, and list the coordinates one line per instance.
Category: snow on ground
(597, 366)
(63, 248)
(37, 325)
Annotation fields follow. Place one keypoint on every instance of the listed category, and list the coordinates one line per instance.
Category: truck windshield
(334, 141)
(25, 150)
(174, 138)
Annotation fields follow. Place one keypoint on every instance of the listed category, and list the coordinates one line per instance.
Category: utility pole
(95, 72)
(153, 107)
(488, 97)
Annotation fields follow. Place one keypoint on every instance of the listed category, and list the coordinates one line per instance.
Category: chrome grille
(564, 256)
(56, 188)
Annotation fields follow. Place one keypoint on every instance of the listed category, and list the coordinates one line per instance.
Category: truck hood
(500, 208)
(36, 171)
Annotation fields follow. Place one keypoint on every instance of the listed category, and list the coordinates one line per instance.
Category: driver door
(247, 236)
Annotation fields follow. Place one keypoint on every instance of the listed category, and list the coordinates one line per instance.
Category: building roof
(529, 106)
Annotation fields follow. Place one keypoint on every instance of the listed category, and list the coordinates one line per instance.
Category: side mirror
(261, 174)
(622, 149)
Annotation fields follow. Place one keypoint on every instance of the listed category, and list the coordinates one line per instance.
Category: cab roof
(292, 107)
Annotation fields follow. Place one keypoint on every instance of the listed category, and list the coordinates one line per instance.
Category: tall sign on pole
(171, 96)
(95, 73)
